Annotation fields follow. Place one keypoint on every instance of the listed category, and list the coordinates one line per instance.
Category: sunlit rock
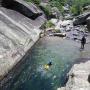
(79, 80)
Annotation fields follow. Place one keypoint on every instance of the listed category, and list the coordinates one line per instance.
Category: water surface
(62, 53)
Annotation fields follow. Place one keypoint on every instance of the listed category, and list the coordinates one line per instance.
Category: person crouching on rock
(83, 42)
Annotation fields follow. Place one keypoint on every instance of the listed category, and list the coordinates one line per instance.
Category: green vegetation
(58, 4)
(47, 24)
(47, 10)
(77, 6)
(52, 3)
(76, 10)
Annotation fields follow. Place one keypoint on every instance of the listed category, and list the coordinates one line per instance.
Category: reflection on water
(34, 76)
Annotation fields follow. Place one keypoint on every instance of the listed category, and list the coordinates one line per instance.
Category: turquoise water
(34, 76)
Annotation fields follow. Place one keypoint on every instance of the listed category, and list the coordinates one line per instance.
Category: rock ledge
(79, 77)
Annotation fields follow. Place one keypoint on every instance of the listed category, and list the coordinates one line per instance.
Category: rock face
(88, 23)
(86, 8)
(79, 77)
(18, 32)
(24, 8)
(81, 19)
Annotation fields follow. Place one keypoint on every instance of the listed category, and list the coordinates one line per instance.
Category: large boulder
(79, 77)
(81, 19)
(86, 8)
(27, 9)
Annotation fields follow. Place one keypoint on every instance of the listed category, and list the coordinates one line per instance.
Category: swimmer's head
(50, 63)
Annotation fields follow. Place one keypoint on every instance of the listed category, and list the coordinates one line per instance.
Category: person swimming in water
(50, 63)
(47, 66)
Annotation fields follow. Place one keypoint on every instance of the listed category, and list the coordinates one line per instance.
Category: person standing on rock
(83, 42)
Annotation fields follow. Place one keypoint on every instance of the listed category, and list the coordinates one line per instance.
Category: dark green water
(61, 52)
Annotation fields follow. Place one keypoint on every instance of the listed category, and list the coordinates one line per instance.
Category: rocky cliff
(79, 77)
(83, 19)
(19, 30)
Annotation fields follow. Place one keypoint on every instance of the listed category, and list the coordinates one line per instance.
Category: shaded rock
(60, 34)
(75, 34)
(75, 38)
(88, 23)
(6, 2)
(89, 78)
(81, 19)
(27, 9)
(86, 8)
